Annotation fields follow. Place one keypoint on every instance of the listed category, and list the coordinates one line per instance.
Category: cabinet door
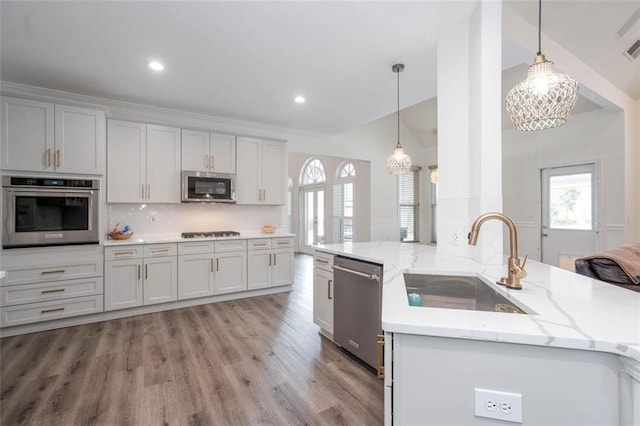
(160, 280)
(27, 135)
(163, 164)
(223, 153)
(195, 150)
(230, 272)
(80, 140)
(126, 142)
(258, 269)
(323, 299)
(247, 171)
(195, 276)
(274, 172)
(122, 284)
(282, 267)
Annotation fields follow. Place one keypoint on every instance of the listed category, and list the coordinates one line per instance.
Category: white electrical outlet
(498, 405)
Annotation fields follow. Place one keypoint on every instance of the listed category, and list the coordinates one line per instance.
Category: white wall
(372, 142)
(597, 135)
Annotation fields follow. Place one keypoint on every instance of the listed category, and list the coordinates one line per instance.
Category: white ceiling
(247, 60)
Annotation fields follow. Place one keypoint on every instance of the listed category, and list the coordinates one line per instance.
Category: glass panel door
(313, 217)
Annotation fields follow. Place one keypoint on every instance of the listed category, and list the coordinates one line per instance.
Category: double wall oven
(49, 211)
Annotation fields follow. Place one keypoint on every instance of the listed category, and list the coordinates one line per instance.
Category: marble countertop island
(567, 310)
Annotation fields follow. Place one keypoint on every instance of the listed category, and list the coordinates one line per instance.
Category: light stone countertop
(570, 310)
(176, 238)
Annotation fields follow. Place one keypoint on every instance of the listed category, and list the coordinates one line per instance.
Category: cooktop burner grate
(210, 234)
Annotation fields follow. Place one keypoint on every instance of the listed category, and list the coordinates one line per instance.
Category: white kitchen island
(575, 358)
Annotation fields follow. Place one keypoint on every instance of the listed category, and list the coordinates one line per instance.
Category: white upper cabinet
(208, 152)
(261, 172)
(143, 163)
(43, 137)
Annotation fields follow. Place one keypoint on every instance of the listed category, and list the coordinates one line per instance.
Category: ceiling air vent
(634, 51)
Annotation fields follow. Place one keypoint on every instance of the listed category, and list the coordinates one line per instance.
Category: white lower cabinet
(207, 268)
(323, 291)
(140, 275)
(269, 262)
(49, 283)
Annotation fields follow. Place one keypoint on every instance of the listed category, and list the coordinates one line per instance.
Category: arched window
(344, 203)
(312, 173)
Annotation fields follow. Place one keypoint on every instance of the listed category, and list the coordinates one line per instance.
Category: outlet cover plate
(485, 398)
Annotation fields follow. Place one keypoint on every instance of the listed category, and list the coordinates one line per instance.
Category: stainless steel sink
(456, 292)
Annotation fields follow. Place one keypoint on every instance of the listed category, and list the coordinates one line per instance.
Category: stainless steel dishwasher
(357, 307)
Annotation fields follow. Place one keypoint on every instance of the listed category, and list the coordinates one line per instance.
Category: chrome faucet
(515, 270)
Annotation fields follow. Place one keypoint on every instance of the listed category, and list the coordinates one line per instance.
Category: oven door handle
(50, 192)
(372, 277)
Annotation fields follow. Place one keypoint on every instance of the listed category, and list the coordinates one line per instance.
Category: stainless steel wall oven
(49, 211)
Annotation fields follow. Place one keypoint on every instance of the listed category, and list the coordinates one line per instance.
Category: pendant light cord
(539, 26)
(398, 99)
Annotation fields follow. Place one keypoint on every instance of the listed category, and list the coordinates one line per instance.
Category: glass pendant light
(545, 99)
(398, 163)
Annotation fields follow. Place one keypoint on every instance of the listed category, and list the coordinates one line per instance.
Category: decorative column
(470, 133)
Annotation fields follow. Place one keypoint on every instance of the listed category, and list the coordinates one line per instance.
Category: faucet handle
(521, 273)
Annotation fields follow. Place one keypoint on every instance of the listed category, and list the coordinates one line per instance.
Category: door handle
(329, 296)
(206, 161)
(146, 271)
(57, 158)
(545, 235)
(138, 272)
(217, 264)
(372, 277)
(49, 157)
(269, 259)
(274, 259)
(211, 264)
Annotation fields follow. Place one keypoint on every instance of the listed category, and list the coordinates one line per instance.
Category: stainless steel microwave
(204, 187)
(49, 211)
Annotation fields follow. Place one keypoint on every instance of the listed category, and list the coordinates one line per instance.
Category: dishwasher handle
(372, 277)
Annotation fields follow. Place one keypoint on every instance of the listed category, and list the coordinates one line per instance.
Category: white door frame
(314, 188)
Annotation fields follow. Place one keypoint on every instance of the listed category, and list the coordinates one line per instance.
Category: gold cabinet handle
(275, 258)
(379, 356)
(58, 271)
(148, 191)
(123, 253)
(142, 191)
(57, 158)
(259, 244)
(283, 242)
(48, 157)
(329, 296)
(48, 311)
(211, 264)
(217, 264)
(53, 290)
(146, 271)
(162, 250)
(322, 260)
(138, 272)
(269, 259)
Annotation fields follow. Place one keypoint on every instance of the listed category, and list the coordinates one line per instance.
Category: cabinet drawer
(231, 245)
(199, 247)
(282, 243)
(323, 260)
(44, 311)
(261, 244)
(31, 293)
(52, 273)
(124, 252)
(160, 250)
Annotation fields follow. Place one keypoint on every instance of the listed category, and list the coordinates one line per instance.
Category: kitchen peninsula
(574, 358)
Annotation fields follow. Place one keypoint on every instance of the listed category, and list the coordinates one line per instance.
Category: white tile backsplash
(145, 219)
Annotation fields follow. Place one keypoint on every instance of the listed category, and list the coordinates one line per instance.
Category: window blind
(409, 205)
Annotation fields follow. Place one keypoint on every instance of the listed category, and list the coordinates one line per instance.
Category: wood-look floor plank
(253, 361)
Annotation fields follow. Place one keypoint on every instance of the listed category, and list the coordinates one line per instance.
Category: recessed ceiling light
(156, 66)
(299, 99)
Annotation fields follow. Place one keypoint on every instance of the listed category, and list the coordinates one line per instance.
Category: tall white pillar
(470, 133)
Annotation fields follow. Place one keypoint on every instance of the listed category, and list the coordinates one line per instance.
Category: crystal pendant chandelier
(545, 99)
(398, 163)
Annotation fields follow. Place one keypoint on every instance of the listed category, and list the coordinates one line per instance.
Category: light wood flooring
(252, 361)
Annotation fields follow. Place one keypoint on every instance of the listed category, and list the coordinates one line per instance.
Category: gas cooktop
(209, 234)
